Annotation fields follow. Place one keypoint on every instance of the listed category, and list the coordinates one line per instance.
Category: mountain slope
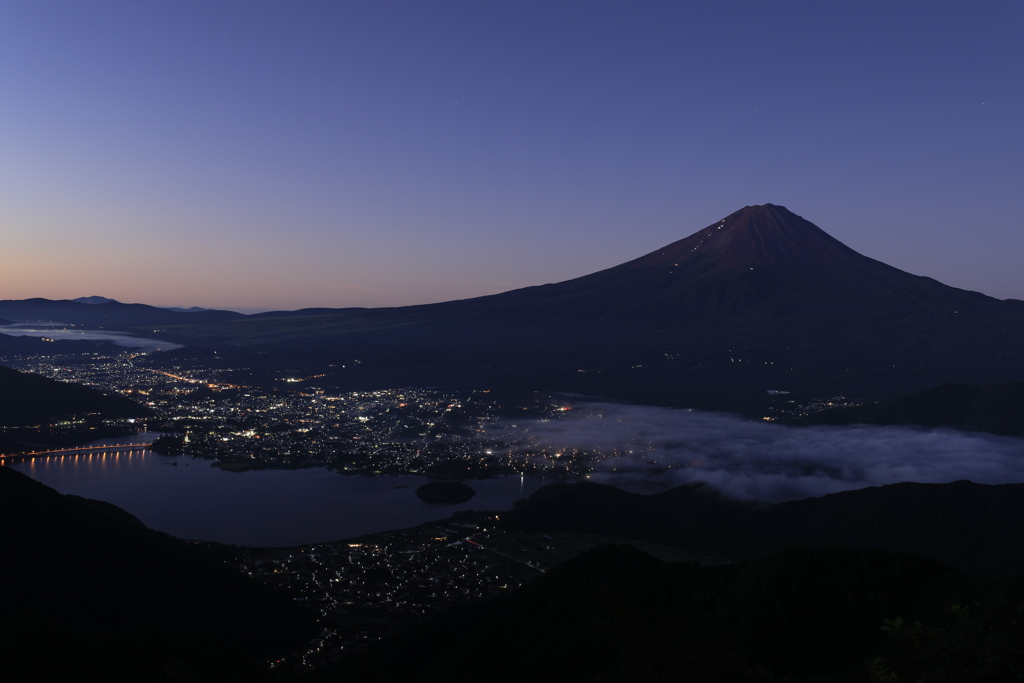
(27, 399)
(970, 527)
(762, 299)
(102, 597)
(616, 614)
(993, 408)
(761, 261)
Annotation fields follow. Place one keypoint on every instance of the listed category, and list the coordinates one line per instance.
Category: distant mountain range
(759, 300)
(89, 313)
(98, 311)
(105, 300)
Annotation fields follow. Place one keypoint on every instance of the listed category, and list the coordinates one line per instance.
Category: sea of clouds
(658, 448)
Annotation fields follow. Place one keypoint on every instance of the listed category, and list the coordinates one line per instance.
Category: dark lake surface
(191, 499)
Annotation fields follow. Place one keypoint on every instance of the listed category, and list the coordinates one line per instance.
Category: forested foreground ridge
(101, 597)
(90, 593)
(617, 614)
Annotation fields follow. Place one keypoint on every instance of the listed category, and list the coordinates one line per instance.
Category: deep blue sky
(331, 153)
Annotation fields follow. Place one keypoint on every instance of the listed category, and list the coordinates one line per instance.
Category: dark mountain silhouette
(102, 597)
(617, 614)
(30, 404)
(994, 408)
(27, 399)
(970, 527)
(762, 299)
(761, 262)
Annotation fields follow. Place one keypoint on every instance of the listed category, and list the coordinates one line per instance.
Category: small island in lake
(445, 492)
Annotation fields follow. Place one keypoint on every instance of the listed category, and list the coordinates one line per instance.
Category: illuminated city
(436, 432)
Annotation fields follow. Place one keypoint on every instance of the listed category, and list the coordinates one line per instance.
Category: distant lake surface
(57, 331)
(191, 499)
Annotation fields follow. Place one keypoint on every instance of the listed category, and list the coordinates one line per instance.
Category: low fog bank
(651, 449)
(124, 339)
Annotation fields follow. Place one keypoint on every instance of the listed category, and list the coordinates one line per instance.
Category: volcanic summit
(760, 262)
(761, 299)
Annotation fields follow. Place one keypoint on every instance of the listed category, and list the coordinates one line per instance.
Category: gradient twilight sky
(377, 153)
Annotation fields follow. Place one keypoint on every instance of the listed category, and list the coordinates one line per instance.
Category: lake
(191, 499)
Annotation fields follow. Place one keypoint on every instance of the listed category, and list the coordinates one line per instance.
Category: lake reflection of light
(189, 498)
(96, 462)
